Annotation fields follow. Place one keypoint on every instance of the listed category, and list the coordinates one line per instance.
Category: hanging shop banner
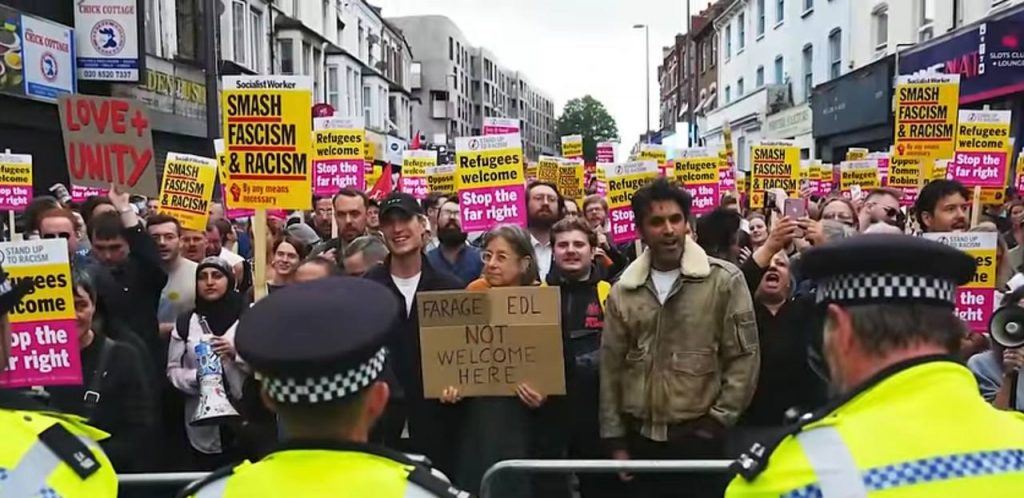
(268, 141)
(188, 189)
(863, 174)
(905, 175)
(975, 301)
(774, 164)
(414, 172)
(488, 343)
(572, 146)
(15, 181)
(231, 212)
(441, 179)
(108, 140)
(47, 56)
(489, 179)
(982, 154)
(624, 179)
(547, 169)
(338, 152)
(108, 40)
(570, 179)
(698, 172)
(44, 335)
(500, 126)
(926, 115)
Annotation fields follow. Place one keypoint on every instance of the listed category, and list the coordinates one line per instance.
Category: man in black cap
(322, 378)
(909, 420)
(43, 453)
(407, 271)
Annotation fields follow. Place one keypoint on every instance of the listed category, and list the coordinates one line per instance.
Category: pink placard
(484, 208)
(726, 179)
(975, 307)
(43, 353)
(978, 169)
(332, 175)
(705, 197)
(622, 225)
(883, 170)
(500, 130)
(414, 185)
(15, 197)
(80, 193)
(909, 196)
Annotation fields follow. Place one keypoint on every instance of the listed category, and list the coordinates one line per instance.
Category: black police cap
(887, 268)
(318, 341)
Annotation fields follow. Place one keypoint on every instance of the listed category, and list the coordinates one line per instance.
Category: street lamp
(647, 74)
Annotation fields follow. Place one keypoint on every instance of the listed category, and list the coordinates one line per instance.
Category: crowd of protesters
(692, 342)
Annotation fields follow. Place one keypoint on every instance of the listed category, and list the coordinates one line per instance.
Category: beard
(542, 219)
(451, 236)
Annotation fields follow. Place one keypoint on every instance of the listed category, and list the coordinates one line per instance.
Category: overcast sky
(570, 48)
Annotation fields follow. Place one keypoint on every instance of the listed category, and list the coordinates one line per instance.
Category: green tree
(587, 116)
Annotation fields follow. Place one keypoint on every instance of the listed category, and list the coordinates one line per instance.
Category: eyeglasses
(890, 212)
(841, 218)
(63, 235)
(487, 256)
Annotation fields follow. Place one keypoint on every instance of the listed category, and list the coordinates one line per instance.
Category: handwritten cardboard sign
(44, 334)
(486, 343)
(108, 140)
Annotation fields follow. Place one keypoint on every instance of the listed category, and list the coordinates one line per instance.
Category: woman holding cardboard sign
(499, 428)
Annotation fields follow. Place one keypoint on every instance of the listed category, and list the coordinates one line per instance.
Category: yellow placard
(985, 274)
(856, 154)
(547, 169)
(15, 181)
(774, 165)
(572, 146)
(488, 161)
(187, 189)
(625, 179)
(905, 172)
(339, 144)
(697, 170)
(863, 173)
(926, 115)
(441, 179)
(570, 179)
(653, 152)
(373, 173)
(531, 170)
(268, 141)
(939, 167)
(416, 162)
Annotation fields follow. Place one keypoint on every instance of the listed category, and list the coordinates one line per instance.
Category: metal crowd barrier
(181, 479)
(600, 466)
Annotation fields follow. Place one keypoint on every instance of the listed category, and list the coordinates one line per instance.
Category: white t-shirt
(407, 286)
(543, 252)
(179, 295)
(232, 258)
(663, 281)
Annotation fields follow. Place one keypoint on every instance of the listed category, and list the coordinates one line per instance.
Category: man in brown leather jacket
(679, 352)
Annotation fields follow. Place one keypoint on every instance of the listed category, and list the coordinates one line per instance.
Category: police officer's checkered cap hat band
(884, 286)
(322, 389)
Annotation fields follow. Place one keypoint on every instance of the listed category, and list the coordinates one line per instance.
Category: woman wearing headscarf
(220, 306)
(499, 428)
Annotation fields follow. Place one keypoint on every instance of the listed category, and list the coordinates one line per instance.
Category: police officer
(49, 455)
(909, 421)
(318, 350)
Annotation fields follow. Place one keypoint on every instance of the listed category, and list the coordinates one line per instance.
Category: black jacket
(132, 289)
(786, 379)
(582, 318)
(404, 341)
(126, 407)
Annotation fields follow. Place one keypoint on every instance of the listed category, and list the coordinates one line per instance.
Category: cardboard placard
(108, 140)
(44, 334)
(486, 343)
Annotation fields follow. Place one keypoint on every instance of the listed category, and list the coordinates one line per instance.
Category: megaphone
(1007, 326)
(214, 405)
